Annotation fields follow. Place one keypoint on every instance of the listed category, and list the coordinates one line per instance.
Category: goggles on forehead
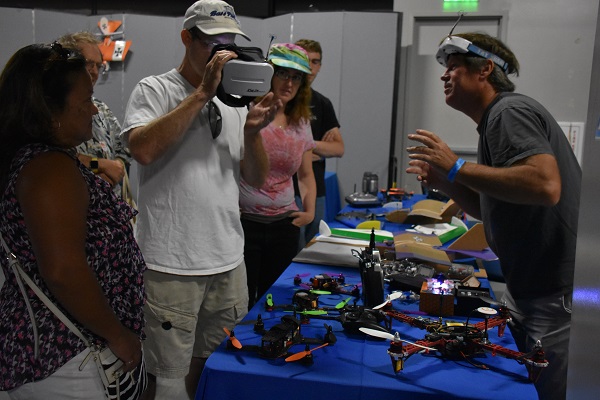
(456, 44)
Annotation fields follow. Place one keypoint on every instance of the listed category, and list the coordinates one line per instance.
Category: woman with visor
(270, 217)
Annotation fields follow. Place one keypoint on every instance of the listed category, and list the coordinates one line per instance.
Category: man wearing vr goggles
(192, 149)
(525, 188)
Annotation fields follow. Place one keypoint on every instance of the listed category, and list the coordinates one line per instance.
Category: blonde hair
(74, 40)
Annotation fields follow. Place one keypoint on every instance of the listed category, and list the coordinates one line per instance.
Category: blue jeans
(547, 319)
(309, 231)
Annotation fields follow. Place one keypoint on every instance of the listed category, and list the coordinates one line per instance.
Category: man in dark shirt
(525, 187)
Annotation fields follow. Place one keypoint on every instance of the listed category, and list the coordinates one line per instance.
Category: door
(424, 104)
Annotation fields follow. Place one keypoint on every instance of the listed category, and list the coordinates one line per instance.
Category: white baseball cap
(213, 17)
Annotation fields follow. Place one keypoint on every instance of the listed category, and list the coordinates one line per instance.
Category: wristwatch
(94, 165)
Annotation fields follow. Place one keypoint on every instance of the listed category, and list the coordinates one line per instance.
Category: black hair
(34, 85)
(498, 78)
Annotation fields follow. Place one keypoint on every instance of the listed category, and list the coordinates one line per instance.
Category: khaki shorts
(185, 317)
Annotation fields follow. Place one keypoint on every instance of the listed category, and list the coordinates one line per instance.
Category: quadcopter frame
(463, 341)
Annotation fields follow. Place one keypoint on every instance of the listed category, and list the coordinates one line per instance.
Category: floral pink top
(112, 253)
(285, 148)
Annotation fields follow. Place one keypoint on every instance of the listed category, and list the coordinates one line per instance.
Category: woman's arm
(308, 191)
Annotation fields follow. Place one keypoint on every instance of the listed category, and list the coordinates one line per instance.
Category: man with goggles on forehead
(524, 187)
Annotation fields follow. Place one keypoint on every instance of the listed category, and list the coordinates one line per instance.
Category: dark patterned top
(112, 253)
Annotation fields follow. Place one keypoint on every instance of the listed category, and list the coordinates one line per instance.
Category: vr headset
(245, 77)
(456, 44)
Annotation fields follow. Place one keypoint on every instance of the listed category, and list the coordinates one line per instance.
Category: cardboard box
(430, 211)
(444, 231)
(472, 244)
(421, 247)
(434, 303)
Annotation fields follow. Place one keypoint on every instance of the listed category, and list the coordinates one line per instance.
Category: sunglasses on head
(59, 55)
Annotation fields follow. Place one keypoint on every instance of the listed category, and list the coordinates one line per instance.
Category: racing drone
(458, 340)
(305, 303)
(327, 283)
(276, 341)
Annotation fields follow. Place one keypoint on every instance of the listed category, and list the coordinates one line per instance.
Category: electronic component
(469, 299)
(363, 199)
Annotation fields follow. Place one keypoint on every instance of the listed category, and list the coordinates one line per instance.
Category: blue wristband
(457, 165)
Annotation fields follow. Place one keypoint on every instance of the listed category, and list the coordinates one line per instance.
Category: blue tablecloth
(332, 199)
(355, 367)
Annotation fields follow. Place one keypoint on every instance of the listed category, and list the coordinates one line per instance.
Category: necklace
(281, 121)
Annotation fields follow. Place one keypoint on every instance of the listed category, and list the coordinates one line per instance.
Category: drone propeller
(314, 291)
(390, 297)
(303, 275)
(300, 355)
(342, 303)
(389, 336)
(492, 302)
(497, 303)
(232, 339)
(487, 311)
(308, 312)
(329, 336)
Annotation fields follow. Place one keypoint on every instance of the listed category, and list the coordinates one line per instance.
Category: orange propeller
(236, 343)
(300, 355)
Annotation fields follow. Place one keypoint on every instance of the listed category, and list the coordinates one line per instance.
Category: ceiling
(250, 8)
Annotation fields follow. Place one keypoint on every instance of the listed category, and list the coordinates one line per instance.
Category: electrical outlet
(574, 132)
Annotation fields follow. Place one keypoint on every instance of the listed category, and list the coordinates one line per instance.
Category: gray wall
(155, 46)
(584, 353)
(355, 77)
(558, 45)
(553, 40)
(553, 46)
(351, 62)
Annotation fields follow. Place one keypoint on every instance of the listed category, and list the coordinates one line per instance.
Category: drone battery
(404, 282)
(436, 303)
(469, 299)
